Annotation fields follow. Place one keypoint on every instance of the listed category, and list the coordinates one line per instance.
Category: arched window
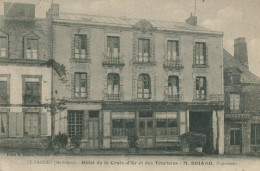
(143, 87)
(113, 86)
(173, 87)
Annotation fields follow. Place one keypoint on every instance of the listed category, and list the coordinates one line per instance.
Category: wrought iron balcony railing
(113, 60)
(173, 64)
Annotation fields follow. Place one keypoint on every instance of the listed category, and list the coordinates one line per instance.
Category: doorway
(146, 129)
(93, 129)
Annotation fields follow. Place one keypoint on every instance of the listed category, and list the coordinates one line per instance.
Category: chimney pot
(192, 20)
(240, 50)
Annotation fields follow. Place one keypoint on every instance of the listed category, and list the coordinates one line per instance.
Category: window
(167, 127)
(200, 53)
(234, 101)
(113, 47)
(173, 87)
(32, 91)
(235, 134)
(3, 124)
(80, 85)
(255, 134)
(172, 50)
(75, 123)
(4, 95)
(143, 50)
(3, 47)
(113, 85)
(31, 123)
(123, 127)
(201, 88)
(31, 48)
(236, 78)
(144, 87)
(80, 46)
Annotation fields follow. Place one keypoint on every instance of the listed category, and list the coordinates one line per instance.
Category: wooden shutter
(44, 127)
(19, 124)
(206, 54)
(12, 124)
(182, 122)
(194, 54)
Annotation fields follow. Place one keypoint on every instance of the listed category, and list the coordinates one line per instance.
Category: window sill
(144, 63)
(200, 66)
(80, 60)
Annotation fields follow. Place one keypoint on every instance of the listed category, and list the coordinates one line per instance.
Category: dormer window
(3, 47)
(31, 46)
(236, 79)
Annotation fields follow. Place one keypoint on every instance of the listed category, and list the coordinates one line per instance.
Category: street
(41, 161)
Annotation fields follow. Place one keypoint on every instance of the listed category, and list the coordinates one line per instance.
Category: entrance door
(235, 139)
(201, 122)
(146, 129)
(93, 129)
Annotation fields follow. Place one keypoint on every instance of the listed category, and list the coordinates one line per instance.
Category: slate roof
(130, 22)
(247, 76)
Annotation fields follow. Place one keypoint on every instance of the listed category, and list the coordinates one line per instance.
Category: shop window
(255, 134)
(167, 127)
(80, 85)
(80, 50)
(201, 88)
(123, 127)
(144, 50)
(144, 87)
(235, 134)
(3, 47)
(200, 53)
(31, 124)
(32, 91)
(113, 47)
(172, 50)
(75, 123)
(3, 124)
(234, 101)
(113, 86)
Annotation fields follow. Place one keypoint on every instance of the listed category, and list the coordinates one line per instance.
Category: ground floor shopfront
(242, 133)
(158, 125)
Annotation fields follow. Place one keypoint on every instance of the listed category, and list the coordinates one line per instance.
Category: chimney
(19, 11)
(240, 50)
(54, 10)
(192, 20)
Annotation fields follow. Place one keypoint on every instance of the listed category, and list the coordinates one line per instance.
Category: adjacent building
(129, 76)
(242, 102)
(25, 80)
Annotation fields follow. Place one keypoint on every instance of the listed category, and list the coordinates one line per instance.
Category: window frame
(80, 54)
(26, 39)
(144, 80)
(142, 58)
(198, 88)
(38, 123)
(197, 56)
(232, 106)
(79, 83)
(111, 79)
(109, 53)
(6, 48)
(77, 114)
(7, 124)
(6, 78)
(234, 130)
(39, 77)
(124, 130)
(177, 50)
(166, 127)
(170, 81)
(255, 135)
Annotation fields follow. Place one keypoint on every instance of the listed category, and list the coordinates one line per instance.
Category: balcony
(143, 60)
(110, 60)
(238, 117)
(216, 98)
(173, 98)
(173, 64)
(113, 97)
(31, 100)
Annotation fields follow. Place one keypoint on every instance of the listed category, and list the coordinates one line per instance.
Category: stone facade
(101, 117)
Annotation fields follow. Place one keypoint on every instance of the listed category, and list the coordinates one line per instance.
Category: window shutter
(206, 55)
(194, 88)
(72, 86)
(206, 87)
(19, 123)
(24, 48)
(44, 128)
(194, 55)
(12, 124)
(227, 101)
(182, 122)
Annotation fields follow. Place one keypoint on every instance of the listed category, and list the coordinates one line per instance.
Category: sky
(236, 18)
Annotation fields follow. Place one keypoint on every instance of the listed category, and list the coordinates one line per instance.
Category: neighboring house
(242, 102)
(25, 81)
(128, 76)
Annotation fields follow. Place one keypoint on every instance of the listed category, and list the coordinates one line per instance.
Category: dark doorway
(202, 122)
